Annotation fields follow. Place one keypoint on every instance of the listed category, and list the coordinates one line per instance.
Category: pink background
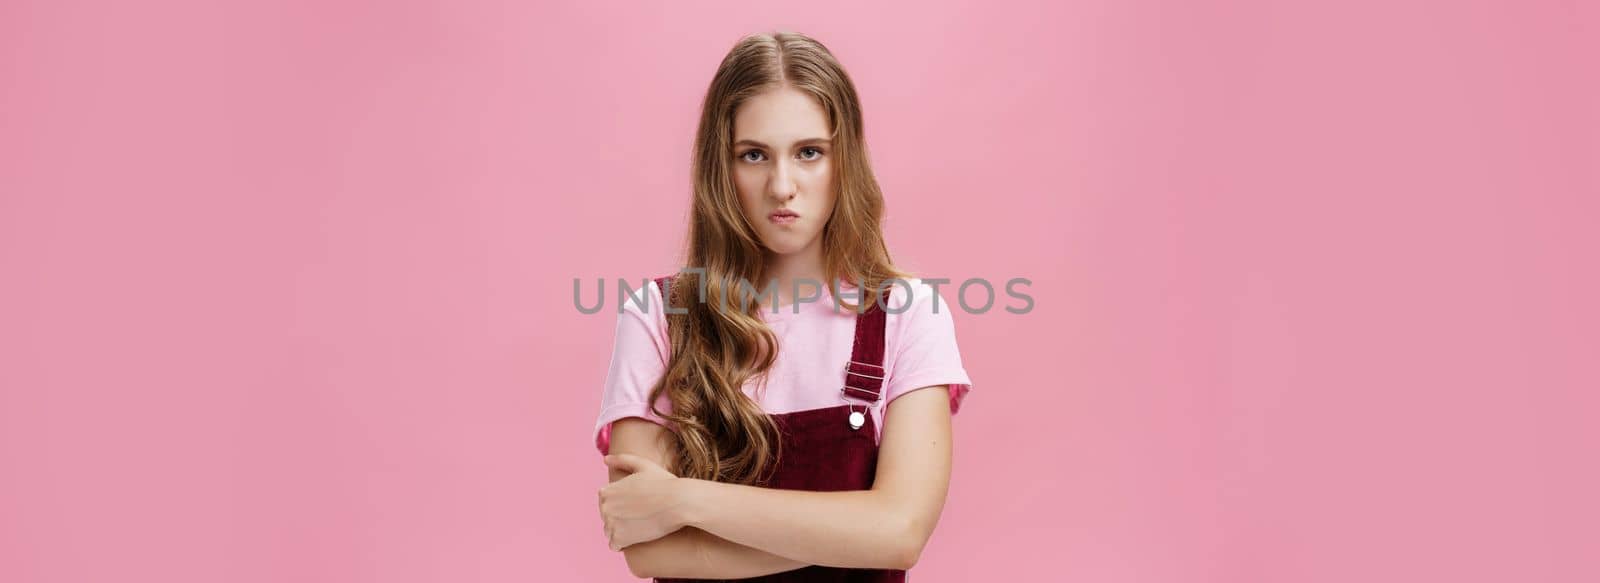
(287, 286)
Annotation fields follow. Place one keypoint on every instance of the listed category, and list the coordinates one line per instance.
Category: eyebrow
(805, 142)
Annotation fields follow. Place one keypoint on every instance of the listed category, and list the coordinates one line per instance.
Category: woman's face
(782, 164)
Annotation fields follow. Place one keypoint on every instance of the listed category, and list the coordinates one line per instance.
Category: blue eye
(816, 153)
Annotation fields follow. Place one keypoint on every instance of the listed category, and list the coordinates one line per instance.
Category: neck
(805, 265)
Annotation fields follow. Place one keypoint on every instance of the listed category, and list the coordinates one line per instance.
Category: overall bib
(831, 448)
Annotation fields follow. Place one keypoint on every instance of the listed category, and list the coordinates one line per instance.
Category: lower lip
(783, 220)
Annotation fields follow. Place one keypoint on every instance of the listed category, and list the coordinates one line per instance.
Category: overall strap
(662, 283)
(864, 374)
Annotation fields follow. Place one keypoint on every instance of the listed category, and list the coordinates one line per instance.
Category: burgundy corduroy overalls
(824, 450)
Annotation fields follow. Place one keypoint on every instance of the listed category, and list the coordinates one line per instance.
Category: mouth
(783, 216)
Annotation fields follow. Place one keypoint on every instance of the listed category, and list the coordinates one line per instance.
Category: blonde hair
(721, 433)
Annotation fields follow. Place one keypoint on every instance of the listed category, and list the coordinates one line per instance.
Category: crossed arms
(725, 531)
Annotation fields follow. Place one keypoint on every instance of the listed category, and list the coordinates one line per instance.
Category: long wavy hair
(717, 346)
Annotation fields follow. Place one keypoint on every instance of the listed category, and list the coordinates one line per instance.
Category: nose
(781, 184)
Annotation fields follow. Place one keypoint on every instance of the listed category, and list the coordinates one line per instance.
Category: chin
(785, 245)
(783, 249)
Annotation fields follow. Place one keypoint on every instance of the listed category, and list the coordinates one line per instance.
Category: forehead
(780, 116)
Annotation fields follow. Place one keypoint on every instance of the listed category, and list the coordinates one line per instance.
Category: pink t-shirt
(813, 348)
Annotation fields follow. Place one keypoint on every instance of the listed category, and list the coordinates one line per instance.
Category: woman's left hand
(640, 507)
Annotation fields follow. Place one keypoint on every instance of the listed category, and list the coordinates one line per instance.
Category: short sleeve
(922, 351)
(639, 356)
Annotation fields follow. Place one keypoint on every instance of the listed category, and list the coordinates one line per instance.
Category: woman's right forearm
(692, 553)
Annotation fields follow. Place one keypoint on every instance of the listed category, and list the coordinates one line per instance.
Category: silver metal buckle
(861, 374)
(845, 390)
(876, 366)
(865, 392)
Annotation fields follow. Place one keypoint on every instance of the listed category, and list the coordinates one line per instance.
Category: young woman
(797, 435)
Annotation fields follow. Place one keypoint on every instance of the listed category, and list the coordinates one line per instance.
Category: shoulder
(641, 303)
(917, 309)
(918, 299)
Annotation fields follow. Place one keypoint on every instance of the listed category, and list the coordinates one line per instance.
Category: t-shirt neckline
(825, 302)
